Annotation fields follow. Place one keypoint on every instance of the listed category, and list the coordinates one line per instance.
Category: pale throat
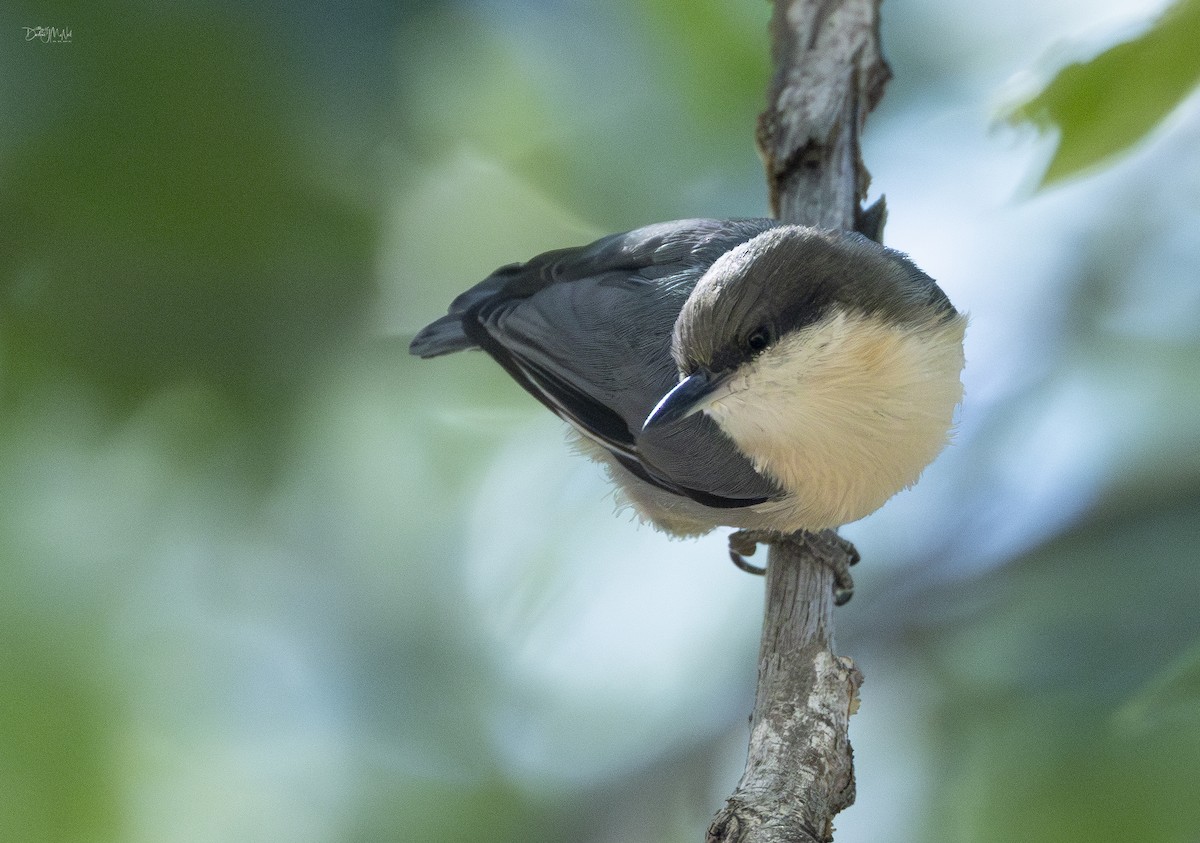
(846, 412)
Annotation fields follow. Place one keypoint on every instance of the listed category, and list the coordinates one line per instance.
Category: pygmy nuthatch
(741, 373)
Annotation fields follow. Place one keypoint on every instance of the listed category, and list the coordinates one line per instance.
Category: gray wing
(588, 332)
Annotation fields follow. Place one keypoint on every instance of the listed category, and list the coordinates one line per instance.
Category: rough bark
(799, 769)
(829, 72)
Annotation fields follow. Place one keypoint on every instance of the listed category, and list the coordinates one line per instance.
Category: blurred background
(264, 577)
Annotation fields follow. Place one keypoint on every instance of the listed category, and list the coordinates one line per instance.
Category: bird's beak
(690, 396)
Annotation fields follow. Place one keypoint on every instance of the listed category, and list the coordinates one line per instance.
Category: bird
(742, 373)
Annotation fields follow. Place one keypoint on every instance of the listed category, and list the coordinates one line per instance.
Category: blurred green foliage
(1104, 106)
(714, 54)
(165, 224)
(59, 765)
(1169, 701)
(1068, 702)
(489, 810)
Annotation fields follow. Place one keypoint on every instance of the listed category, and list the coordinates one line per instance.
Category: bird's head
(832, 363)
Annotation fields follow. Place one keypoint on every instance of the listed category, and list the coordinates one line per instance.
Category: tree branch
(799, 771)
(829, 73)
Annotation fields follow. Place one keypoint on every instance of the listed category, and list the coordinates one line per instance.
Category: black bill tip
(690, 395)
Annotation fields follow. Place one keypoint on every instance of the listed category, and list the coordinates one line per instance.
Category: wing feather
(587, 332)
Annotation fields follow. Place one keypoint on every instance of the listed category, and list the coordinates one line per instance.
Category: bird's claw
(743, 543)
(838, 555)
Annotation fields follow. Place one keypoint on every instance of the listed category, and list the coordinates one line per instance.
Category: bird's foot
(743, 543)
(826, 547)
(839, 554)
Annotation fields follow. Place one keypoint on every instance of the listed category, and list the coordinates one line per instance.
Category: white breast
(845, 413)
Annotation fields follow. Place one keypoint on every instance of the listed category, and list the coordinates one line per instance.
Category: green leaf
(1104, 106)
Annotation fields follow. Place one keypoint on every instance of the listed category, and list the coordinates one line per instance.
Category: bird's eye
(759, 339)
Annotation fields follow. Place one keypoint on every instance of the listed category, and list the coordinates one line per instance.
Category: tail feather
(444, 336)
